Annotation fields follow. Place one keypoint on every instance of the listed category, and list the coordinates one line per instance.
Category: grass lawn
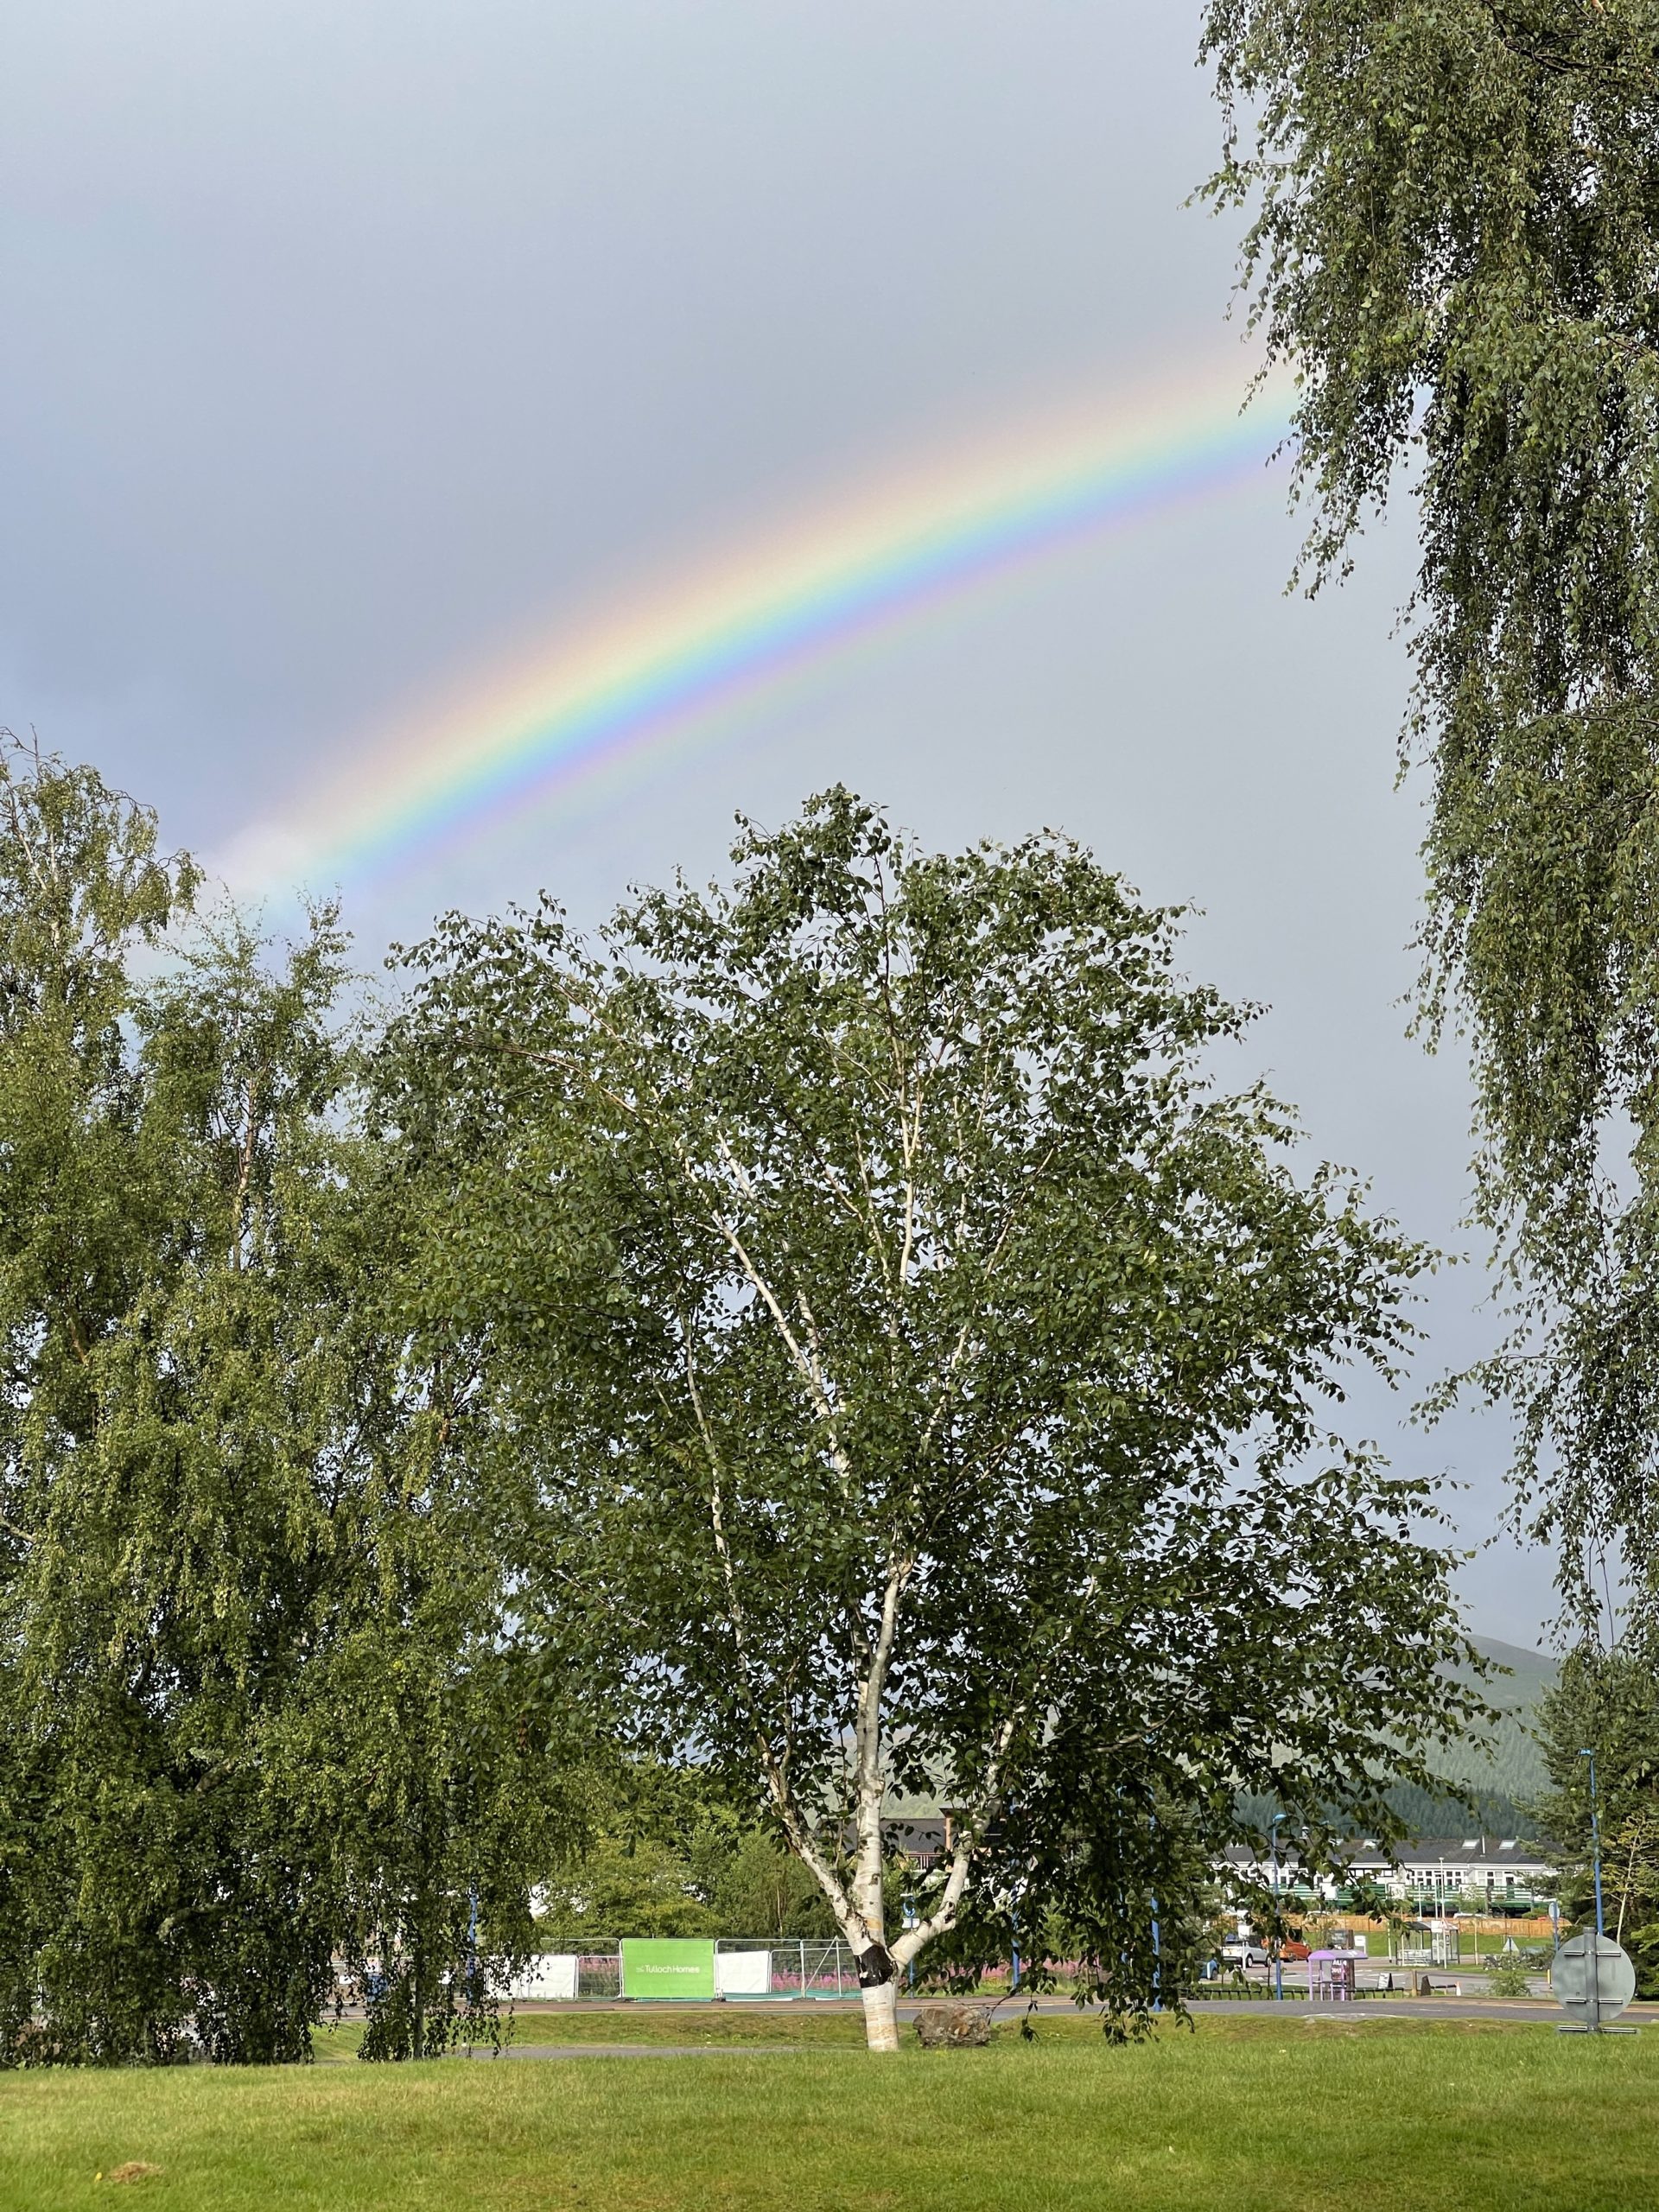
(1251, 2114)
(796, 2027)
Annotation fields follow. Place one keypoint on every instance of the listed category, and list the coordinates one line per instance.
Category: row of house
(1433, 1875)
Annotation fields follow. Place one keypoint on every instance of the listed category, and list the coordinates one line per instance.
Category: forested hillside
(1505, 1775)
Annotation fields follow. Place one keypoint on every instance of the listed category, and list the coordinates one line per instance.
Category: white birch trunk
(881, 2016)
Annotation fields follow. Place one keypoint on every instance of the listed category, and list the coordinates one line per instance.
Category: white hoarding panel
(550, 1978)
(743, 1974)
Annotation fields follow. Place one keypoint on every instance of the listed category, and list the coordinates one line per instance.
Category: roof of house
(1450, 1851)
(1425, 1852)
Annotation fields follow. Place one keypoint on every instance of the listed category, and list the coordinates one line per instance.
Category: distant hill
(1499, 1777)
(1490, 1781)
(1505, 1773)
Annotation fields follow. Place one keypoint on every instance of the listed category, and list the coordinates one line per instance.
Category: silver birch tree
(924, 1365)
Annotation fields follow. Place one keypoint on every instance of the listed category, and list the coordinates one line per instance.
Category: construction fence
(693, 1969)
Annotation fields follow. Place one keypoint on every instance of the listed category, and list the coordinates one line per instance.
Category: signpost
(668, 1966)
(1595, 1839)
(1593, 1979)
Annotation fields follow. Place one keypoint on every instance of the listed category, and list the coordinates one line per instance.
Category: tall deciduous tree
(1607, 1703)
(1455, 239)
(251, 1656)
(82, 890)
(927, 1367)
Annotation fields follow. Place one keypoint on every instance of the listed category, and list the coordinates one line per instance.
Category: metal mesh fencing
(755, 1968)
(796, 1966)
(599, 1973)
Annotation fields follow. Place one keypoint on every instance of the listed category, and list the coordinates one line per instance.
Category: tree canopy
(834, 1333)
(1607, 1703)
(928, 1367)
(258, 1724)
(1454, 236)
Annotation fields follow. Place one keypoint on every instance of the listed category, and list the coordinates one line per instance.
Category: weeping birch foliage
(1453, 233)
(256, 1726)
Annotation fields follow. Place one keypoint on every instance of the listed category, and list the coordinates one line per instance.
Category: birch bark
(881, 2016)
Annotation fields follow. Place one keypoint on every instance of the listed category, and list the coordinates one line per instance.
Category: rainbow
(644, 676)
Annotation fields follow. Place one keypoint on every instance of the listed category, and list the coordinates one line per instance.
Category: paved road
(1416, 2008)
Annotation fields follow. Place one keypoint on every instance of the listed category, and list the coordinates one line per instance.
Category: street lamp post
(1278, 1962)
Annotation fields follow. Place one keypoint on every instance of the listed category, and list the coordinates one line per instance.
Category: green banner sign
(669, 1966)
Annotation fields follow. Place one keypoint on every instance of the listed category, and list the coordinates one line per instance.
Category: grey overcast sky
(349, 342)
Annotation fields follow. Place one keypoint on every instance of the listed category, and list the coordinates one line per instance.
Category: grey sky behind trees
(348, 341)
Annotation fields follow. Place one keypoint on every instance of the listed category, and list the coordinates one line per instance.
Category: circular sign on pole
(1592, 1978)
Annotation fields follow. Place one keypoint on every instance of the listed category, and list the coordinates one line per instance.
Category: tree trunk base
(881, 2016)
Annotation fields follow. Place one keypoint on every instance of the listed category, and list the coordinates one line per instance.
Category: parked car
(1244, 1951)
(1293, 1950)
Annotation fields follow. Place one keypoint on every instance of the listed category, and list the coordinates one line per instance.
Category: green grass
(1250, 2114)
(716, 2025)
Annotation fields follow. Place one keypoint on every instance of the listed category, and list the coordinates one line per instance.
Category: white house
(1433, 1874)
